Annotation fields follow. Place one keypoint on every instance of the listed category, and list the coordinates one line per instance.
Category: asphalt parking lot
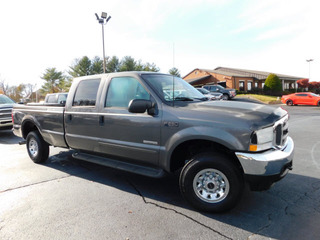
(69, 199)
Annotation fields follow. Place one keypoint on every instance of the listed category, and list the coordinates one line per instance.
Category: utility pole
(103, 21)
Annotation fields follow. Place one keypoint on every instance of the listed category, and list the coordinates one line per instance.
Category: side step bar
(142, 170)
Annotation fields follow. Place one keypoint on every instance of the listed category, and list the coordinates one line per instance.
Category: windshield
(4, 99)
(180, 90)
(315, 95)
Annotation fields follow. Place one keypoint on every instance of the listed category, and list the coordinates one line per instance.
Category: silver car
(210, 95)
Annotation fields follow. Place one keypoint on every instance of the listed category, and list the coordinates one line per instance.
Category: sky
(267, 35)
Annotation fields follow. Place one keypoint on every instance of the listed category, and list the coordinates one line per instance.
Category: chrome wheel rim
(211, 185)
(33, 147)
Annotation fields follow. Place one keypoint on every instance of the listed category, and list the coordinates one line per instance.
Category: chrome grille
(5, 113)
(281, 130)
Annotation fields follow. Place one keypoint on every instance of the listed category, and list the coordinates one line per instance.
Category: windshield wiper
(203, 99)
(183, 99)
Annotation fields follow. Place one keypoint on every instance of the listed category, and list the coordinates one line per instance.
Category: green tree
(81, 67)
(96, 66)
(175, 72)
(54, 81)
(150, 67)
(113, 65)
(273, 84)
(84, 66)
(128, 64)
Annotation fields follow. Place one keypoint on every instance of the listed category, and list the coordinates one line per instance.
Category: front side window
(86, 93)
(122, 90)
(214, 89)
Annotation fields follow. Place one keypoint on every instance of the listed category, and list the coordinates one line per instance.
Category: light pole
(103, 21)
(309, 61)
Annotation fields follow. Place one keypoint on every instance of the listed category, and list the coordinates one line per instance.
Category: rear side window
(86, 93)
(301, 95)
(62, 97)
(122, 90)
(51, 99)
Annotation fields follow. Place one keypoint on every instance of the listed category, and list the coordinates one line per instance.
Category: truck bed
(48, 119)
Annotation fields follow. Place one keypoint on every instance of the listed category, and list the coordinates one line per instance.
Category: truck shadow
(289, 210)
(7, 137)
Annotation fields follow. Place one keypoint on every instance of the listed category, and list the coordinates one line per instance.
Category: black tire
(225, 97)
(318, 104)
(289, 102)
(210, 182)
(37, 148)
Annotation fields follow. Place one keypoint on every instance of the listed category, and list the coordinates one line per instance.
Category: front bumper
(5, 123)
(263, 169)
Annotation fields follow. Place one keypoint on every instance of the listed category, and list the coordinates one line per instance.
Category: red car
(306, 98)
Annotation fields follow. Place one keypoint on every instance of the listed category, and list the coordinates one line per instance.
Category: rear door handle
(101, 120)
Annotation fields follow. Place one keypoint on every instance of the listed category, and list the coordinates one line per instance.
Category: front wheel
(289, 103)
(37, 148)
(225, 97)
(211, 183)
(318, 104)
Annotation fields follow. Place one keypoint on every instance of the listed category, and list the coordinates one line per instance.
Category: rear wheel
(37, 148)
(318, 104)
(289, 102)
(211, 183)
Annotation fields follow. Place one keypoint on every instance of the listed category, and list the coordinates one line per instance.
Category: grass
(262, 98)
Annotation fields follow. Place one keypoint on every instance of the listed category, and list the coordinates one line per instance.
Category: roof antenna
(173, 75)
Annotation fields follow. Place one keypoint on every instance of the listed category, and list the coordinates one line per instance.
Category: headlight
(261, 139)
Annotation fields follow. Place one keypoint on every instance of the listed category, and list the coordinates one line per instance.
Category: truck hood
(6, 105)
(235, 113)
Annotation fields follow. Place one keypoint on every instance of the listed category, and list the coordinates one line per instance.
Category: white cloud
(36, 35)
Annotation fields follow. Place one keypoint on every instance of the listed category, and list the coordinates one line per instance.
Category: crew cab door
(81, 117)
(125, 135)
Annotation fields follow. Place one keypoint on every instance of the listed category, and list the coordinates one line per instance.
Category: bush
(272, 85)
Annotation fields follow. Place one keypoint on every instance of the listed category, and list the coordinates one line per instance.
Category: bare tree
(4, 86)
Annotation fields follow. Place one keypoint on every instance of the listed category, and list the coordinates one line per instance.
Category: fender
(216, 135)
(29, 119)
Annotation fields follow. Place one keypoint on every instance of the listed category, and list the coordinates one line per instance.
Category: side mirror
(63, 102)
(140, 106)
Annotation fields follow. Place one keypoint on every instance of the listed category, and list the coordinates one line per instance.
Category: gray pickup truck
(153, 124)
(6, 105)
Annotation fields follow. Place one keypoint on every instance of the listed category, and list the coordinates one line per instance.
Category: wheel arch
(185, 150)
(27, 126)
